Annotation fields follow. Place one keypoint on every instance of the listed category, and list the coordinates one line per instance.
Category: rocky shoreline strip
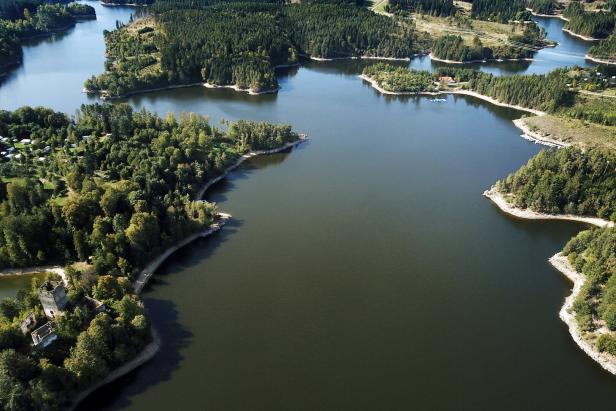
(375, 85)
(601, 61)
(144, 356)
(502, 203)
(535, 137)
(585, 38)
(561, 263)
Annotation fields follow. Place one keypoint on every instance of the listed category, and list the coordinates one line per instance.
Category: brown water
(362, 270)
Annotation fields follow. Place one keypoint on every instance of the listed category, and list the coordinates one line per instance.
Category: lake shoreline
(103, 96)
(567, 314)
(148, 271)
(440, 60)
(374, 85)
(535, 137)
(580, 36)
(145, 355)
(601, 61)
(505, 206)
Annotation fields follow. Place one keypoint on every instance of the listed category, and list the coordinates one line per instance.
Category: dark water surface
(362, 270)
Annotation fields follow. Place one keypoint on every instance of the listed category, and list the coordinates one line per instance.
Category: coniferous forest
(240, 43)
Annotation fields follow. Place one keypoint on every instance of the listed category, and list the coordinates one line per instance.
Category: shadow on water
(174, 335)
(174, 338)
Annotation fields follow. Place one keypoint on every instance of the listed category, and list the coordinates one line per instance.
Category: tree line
(566, 181)
(591, 253)
(21, 19)
(240, 43)
(400, 79)
(115, 188)
(500, 10)
(432, 7)
(522, 46)
(591, 24)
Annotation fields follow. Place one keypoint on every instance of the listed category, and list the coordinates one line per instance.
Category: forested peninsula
(25, 19)
(240, 44)
(101, 194)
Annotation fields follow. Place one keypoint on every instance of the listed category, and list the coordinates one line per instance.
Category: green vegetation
(572, 131)
(454, 48)
(400, 80)
(543, 6)
(122, 183)
(22, 19)
(432, 7)
(239, 44)
(541, 92)
(592, 253)
(605, 50)
(590, 24)
(566, 181)
(102, 193)
(500, 10)
(131, 2)
(88, 345)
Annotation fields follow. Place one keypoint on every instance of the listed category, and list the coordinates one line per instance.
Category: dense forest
(605, 50)
(542, 6)
(432, 7)
(108, 189)
(546, 92)
(590, 24)
(500, 10)
(400, 79)
(131, 2)
(115, 184)
(22, 19)
(566, 181)
(241, 43)
(592, 253)
(454, 48)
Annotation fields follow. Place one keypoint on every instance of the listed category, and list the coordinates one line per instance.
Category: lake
(362, 270)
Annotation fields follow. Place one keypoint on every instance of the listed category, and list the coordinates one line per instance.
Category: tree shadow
(174, 338)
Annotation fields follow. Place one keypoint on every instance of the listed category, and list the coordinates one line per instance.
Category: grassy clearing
(490, 33)
(573, 131)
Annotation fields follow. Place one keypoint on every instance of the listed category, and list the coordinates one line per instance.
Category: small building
(45, 335)
(53, 298)
(25, 141)
(447, 80)
(28, 324)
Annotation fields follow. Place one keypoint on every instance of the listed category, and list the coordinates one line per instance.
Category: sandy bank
(359, 58)
(506, 207)
(560, 262)
(374, 84)
(536, 137)
(105, 96)
(144, 356)
(549, 16)
(585, 38)
(602, 61)
(479, 61)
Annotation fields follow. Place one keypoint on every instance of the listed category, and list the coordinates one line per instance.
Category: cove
(362, 270)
